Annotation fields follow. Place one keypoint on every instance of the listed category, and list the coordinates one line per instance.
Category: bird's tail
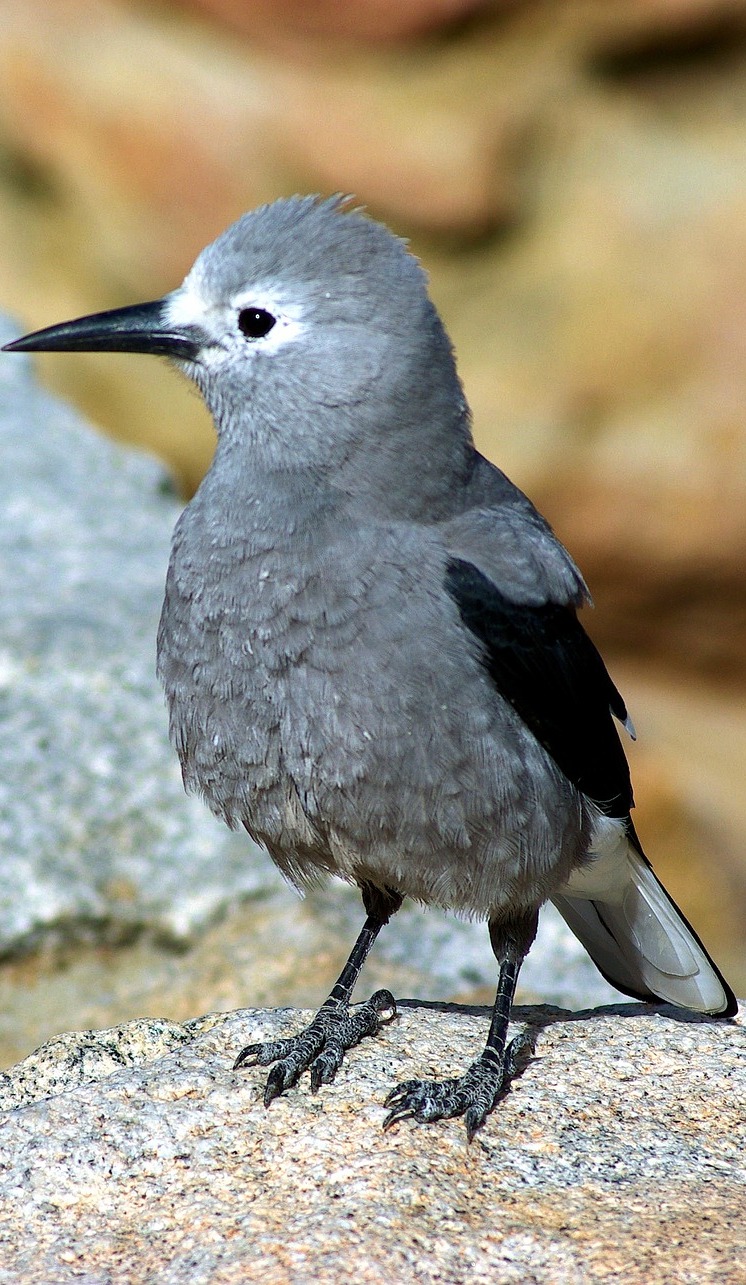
(635, 933)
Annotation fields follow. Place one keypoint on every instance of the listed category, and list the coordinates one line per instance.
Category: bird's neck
(240, 511)
(401, 476)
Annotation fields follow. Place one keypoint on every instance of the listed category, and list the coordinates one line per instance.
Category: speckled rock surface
(138, 1154)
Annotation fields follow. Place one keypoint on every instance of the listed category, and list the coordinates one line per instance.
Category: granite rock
(138, 1153)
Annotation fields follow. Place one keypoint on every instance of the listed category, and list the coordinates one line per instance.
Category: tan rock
(369, 20)
(138, 1154)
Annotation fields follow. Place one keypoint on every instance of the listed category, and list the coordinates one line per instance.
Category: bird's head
(308, 328)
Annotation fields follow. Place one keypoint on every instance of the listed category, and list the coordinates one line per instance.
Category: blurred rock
(138, 1154)
(98, 837)
(154, 134)
(279, 21)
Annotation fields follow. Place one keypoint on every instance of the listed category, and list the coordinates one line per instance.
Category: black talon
(519, 1054)
(247, 1056)
(326, 1065)
(320, 1047)
(399, 1092)
(393, 1117)
(274, 1086)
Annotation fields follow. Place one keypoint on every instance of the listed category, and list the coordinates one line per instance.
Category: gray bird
(369, 641)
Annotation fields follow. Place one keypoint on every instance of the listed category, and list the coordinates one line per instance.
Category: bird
(370, 642)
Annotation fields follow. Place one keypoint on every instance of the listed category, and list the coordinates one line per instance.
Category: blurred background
(573, 176)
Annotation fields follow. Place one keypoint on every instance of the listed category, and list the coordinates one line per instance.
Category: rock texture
(137, 1154)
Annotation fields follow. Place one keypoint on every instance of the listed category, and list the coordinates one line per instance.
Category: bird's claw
(472, 1095)
(263, 1054)
(321, 1046)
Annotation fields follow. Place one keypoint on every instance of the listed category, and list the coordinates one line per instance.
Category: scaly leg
(475, 1093)
(321, 1046)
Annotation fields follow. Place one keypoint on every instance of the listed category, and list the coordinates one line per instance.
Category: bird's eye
(255, 323)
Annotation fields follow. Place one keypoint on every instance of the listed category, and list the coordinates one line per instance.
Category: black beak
(143, 327)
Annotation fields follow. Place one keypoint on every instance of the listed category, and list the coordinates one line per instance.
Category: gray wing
(517, 590)
(505, 536)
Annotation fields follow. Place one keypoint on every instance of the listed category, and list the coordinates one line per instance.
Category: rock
(97, 834)
(138, 1153)
(292, 21)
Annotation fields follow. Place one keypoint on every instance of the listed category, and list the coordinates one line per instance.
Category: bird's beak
(144, 327)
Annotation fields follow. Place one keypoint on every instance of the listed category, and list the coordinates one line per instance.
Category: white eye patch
(288, 317)
(220, 324)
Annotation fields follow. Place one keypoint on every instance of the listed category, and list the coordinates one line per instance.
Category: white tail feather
(635, 933)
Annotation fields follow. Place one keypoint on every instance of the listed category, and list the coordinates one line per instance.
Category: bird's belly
(333, 769)
(227, 726)
(343, 741)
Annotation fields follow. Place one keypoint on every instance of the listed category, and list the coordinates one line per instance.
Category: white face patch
(187, 307)
(288, 315)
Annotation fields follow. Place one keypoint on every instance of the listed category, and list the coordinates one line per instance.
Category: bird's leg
(321, 1046)
(480, 1088)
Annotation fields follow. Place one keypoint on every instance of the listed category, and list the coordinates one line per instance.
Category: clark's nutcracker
(369, 640)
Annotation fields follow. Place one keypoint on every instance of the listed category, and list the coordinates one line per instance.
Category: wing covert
(545, 665)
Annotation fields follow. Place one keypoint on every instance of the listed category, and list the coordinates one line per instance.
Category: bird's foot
(321, 1046)
(472, 1095)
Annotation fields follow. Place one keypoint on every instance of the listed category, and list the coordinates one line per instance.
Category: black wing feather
(543, 662)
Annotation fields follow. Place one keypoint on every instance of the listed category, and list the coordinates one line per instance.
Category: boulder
(138, 1154)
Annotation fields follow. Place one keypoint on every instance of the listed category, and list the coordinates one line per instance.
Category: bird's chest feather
(254, 653)
(325, 699)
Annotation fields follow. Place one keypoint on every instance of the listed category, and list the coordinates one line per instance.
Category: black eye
(255, 323)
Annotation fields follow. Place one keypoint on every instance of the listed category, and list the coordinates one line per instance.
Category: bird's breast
(331, 705)
(250, 656)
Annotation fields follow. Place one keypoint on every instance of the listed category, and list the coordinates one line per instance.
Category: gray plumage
(339, 710)
(368, 641)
